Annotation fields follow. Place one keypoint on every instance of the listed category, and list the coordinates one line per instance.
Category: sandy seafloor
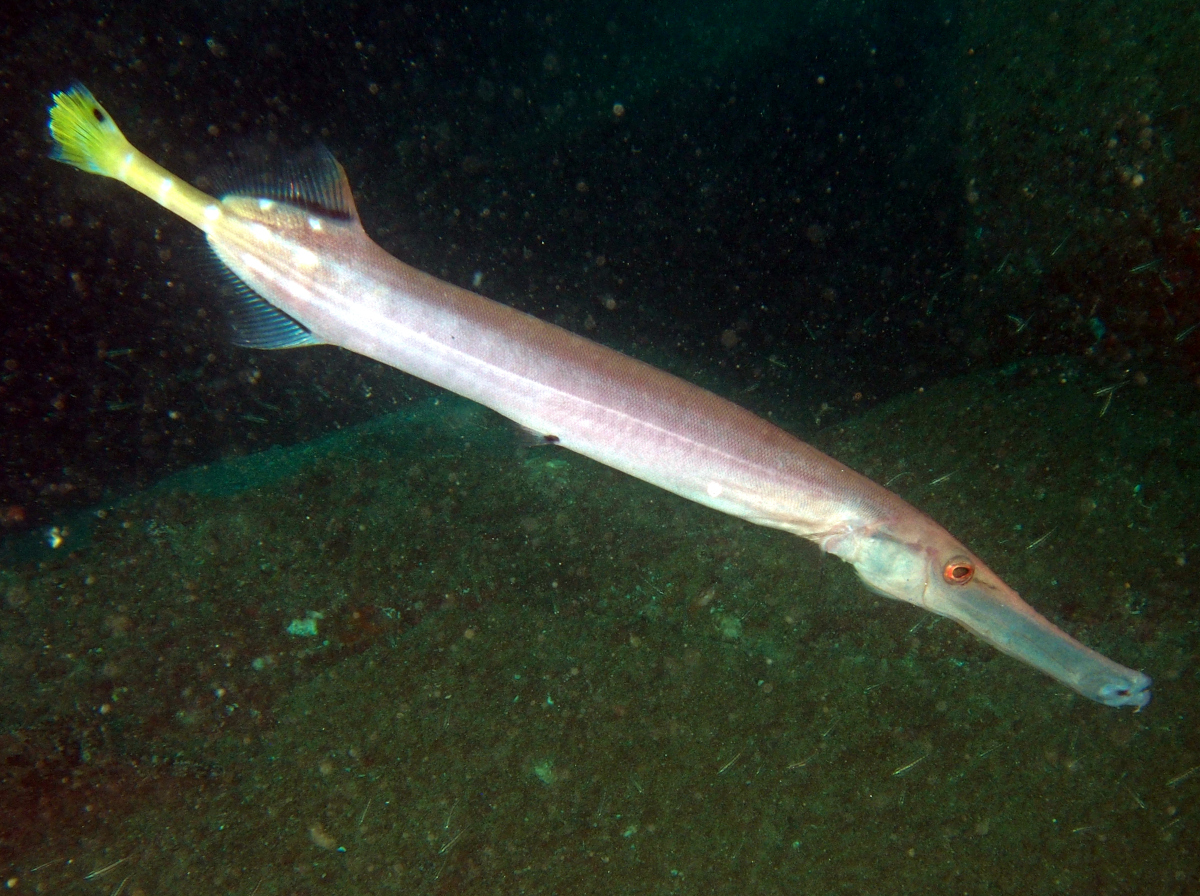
(532, 674)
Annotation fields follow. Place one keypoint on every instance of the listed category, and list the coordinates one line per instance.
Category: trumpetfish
(317, 278)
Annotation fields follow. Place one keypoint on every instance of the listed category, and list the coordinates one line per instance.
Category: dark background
(776, 214)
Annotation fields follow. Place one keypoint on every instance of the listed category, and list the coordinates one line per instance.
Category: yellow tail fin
(85, 135)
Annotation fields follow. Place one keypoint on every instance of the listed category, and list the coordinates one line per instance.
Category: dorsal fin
(312, 180)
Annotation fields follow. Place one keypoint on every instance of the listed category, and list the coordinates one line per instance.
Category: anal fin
(256, 323)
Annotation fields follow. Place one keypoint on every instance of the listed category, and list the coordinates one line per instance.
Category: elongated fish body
(300, 247)
(566, 389)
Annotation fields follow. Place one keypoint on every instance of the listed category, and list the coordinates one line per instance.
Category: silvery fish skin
(300, 246)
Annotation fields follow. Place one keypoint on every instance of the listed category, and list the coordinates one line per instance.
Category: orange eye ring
(959, 571)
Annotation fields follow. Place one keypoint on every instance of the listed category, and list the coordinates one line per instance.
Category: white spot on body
(270, 275)
(261, 231)
(126, 163)
(314, 223)
(296, 290)
(212, 212)
(266, 204)
(165, 187)
(714, 489)
(258, 267)
(306, 258)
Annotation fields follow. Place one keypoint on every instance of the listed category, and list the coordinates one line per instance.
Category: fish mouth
(1009, 624)
(1135, 692)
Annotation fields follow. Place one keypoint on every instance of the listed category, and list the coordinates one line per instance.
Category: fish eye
(959, 571)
